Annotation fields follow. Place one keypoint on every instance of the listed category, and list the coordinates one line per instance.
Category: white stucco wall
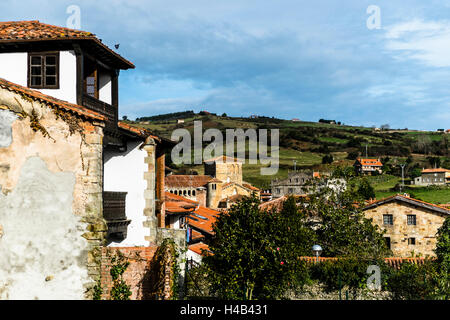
(124, 172)
(105, 88)
(194, 256)
(13, 67)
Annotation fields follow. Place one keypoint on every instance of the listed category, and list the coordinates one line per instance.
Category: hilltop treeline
(169, 116)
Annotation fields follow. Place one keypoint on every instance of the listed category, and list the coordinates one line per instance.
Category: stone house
(410, 224)
(220, 184)
(73, 178)
(295, 184)
(438, 176)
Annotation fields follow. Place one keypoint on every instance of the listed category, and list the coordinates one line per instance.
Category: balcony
(114, 213)
(104, 109)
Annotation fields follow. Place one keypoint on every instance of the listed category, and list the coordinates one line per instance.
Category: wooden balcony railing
(114, 206)
(103, 108)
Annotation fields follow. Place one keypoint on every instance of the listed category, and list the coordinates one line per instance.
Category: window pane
(90, 90)
(36, 81)
(90, 80)
(50, 81)
(36, 71)
(50, 60)
(36, 60)
(50, 71)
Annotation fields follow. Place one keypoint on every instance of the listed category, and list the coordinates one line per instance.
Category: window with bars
(412, 241)
(43, 70)
(388, 219)
(411, 219)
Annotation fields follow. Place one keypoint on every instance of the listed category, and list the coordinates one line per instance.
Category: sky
(359, 62)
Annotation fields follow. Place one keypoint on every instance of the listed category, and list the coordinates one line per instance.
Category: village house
(438, 176)
(411, 225)
(219, 187)
(368, 166)
(73, 178)
(297, 183)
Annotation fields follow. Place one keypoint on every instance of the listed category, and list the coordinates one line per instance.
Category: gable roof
(369, 162)
(203, 219)
(60, 104)
(32, 31)
(175, 204)
(186, 181)
(406, 199)
(436, 170)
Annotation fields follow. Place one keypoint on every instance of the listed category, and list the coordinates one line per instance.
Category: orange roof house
(368, 166)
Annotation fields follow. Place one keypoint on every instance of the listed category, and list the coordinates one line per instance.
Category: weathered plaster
(42, 249)
(6, 119)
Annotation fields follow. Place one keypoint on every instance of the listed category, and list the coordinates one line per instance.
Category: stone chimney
(201, 196)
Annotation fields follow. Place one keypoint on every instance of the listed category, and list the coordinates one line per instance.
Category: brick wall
(137, 274)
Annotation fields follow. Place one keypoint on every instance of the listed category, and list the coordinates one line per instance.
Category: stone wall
(427, 224)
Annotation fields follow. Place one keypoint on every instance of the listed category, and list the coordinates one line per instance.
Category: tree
(352, 155)
(342, 229)
(327, 159)
(255, 253)
(443, 245)
(365, 190)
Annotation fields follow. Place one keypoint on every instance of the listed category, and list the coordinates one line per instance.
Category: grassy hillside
(308, 142)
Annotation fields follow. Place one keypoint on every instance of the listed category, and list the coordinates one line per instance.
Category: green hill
(308, 142)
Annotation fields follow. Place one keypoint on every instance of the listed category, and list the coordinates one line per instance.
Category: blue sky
(288, 59)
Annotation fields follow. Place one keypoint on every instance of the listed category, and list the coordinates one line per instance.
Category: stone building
(410, 224)
(220, 184)
(295, 184)
(438, 176)
(72, 177)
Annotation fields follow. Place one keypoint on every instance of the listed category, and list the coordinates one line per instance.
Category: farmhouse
(368, 166)
(410, 224)
(438, 176)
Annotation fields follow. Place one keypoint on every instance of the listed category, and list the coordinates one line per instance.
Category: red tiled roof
(186, 181)
(276, 204)
(400, 197)
(198, 247)
(370, 162)
(249, 186)
(39, 96)
(437, 170)
(393, 262)
(25, 31)
(175, 204)
(205, 221)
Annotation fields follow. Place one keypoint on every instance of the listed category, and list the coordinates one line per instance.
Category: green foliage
(97, 291)
(120, 289)
(413, 282)
(327, 159)
(350, 272)
(343, 229)
(365, 190)
(256, 252)
(443, 246)
(166, 255)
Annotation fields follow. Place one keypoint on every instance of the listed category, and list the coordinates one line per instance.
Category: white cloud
(424, 41)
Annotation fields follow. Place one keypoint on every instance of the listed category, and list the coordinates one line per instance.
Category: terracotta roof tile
(437, 170)
(370, 162)
(39, 96)
(186, 181)
(403, 197)
(199, 247)
(21, 31)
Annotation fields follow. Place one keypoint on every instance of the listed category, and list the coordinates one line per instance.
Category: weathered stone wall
(427, 224)
(50, 201)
